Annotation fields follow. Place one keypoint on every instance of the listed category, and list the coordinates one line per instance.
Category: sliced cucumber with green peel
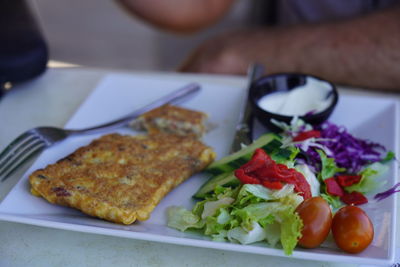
(222, 170)
(271, 146)
(237, 159)
(227, 179)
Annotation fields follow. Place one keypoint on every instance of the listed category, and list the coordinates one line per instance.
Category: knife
(243, 130)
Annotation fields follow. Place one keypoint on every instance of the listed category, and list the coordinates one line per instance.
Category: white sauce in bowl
(314, 96)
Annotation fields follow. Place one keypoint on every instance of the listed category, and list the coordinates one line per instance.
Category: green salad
(252, 195)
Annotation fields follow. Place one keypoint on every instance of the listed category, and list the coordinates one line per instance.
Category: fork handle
(173, 97)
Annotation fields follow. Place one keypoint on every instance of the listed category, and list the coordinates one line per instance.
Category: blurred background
(100, 33)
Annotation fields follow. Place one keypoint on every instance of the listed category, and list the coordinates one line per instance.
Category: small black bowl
(282, 82)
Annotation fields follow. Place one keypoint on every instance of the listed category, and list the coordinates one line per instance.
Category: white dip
(310, 97)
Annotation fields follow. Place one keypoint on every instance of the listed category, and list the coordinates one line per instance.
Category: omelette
(172, 119)
(121, 178)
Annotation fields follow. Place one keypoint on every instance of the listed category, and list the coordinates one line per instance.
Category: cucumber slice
(224, 179)
(237, 159)
(272, 146)
(222, 170)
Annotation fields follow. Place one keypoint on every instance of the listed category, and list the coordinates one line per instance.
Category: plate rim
(208, 243)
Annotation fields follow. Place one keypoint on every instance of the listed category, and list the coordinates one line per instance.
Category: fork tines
(19, 151)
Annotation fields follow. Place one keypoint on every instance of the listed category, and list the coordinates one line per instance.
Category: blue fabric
(23, 50)
(311, 11)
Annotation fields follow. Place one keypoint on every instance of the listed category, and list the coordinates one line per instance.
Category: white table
(51, 100)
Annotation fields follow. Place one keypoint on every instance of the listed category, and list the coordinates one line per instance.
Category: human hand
(347, 52)
(229, 53)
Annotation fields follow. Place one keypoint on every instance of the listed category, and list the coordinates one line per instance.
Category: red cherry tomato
(352, 229)
(317, 219)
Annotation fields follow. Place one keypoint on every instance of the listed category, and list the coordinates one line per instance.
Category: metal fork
(32, 141)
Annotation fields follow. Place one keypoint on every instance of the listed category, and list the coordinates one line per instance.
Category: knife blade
(243, 130)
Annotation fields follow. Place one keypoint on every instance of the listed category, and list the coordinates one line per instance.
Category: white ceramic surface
(117, 95)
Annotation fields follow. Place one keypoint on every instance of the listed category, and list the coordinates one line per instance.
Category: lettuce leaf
(258, 192)
(291, 227)
(328, 166)
(251, 214)
(182, 219)
(273, 233)
(333, 201)
(210, 207)
(310, 177)
(389, 157)
(369, 178)
(247, 236)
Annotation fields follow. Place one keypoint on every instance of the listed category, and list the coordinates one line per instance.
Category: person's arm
(178, 15)
(363, 52)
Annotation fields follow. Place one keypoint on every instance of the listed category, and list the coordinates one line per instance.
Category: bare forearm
(178, 15)
(360, 52)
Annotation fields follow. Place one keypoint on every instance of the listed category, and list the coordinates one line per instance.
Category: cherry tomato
(352, 229)
(317, 219)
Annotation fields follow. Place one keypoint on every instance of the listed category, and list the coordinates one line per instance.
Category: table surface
(51, 100)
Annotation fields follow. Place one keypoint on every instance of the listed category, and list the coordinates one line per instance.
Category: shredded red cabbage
(348, 151)
(387, 193)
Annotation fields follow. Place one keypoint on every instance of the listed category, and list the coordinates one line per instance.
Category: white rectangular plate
(117, 95)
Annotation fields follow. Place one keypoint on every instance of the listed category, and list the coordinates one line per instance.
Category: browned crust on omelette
(172, 119)
(121, 178)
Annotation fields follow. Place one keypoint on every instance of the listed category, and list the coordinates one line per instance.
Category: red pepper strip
(347, 180)
(271, 175)
(302, 186)
(260, 154)
(287, 175)
(272, 185)
(307, 135)
(252, 165)
(258, 160)
(333, 188)
(273, 172)
(244, 178)
(354, 198)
